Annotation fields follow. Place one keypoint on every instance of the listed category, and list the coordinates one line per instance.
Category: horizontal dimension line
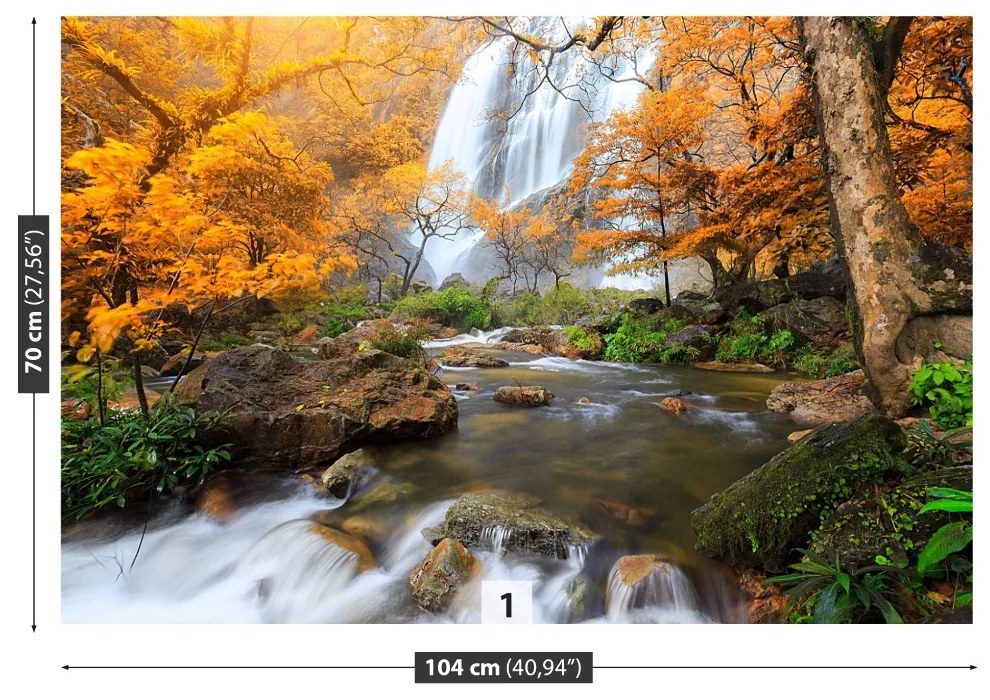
(782, 667)
(68, 667)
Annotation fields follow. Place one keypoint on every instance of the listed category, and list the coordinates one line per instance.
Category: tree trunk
(136, 367)
(895, 277)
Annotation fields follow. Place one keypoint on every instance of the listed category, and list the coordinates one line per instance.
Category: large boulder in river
(510, 523)
(461, 356)
(438, 577)
(524, 395)
(856, 533)
(823, 401)
(759, 520)
(821, 322)
(284, 413)
(340, 476)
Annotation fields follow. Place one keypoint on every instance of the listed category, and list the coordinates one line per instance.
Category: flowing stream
(603, 453)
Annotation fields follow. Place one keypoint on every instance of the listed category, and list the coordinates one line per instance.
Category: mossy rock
(887, 523)
(514, 523)
(759, 520)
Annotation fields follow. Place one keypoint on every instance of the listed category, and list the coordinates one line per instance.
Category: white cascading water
(536, 150)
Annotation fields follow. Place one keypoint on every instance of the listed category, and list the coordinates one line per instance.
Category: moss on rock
(759, 520)
(886, 522)
(511, 523)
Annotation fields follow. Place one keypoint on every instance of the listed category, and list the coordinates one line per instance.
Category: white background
(32, 661)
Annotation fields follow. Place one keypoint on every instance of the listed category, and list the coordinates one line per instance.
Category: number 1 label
(507, 602)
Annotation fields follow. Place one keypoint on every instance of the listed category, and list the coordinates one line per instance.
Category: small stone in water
(525, 395)
(672, 405)
(464, 386)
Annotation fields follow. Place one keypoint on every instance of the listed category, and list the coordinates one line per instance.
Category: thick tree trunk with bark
(902, 288)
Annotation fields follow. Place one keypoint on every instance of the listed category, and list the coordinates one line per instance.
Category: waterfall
(514, 159)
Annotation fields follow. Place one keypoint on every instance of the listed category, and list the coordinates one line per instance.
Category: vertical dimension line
(34, 116)
(34, 516)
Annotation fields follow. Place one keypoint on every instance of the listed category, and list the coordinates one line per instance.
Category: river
(603, 453)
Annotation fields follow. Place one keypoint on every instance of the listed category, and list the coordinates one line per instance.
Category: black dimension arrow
(67, 667)
(34, 444)
(802, 668)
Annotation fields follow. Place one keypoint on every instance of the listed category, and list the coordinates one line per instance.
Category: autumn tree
(633, 159)
(505, 236)
(142, 94)
(907, 291)
(396, 215)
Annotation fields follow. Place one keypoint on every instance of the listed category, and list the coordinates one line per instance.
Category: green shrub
(946, 390)
(829, 592)
(456, 307)
(748, 341)
(929, 448)
(402, 342)
(950, 538)
(579, 338)
(289, 324)
(812, 361)
(633, 342)
(225, 341)
(131, 454)
(84, 383)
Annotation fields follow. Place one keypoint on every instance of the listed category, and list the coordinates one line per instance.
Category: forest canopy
(210, 160)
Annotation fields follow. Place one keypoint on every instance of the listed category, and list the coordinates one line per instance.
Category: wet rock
(630, 514)
(286, 414)
(175, 363)
(526, 336)
(705, 312)
(523, 526)
(341, 475)
(460, 356)
(887, 522)
(678, 311)
(823, 401)
(633, 569)
(76, 408)
(524, 395)
(760, 519)
(464, 386)
(227, 492)
(584, 400)
(798, 435)
(753, 367)
(155, 356)
(438, 577)
(128, 401)
(149, 372)
(766, 602)
(383, 492)
(821, 322)
(264, 337)
(672, 405)
(350, 543)
(454, 280)
(700, 337)
(645, 306)
(580, 594)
